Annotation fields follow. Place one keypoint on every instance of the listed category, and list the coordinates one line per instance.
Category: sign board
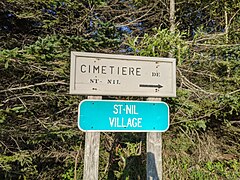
(125, 116)
(122, 75)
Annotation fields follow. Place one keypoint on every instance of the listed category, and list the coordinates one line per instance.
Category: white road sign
(122, 75)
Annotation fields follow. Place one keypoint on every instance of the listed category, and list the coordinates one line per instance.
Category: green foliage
(3, 115)
(160, 44)
(130, 162)
(23, 165)
(197, 157)
(35, 117)
(43, 18)
(131, 149)
(226, 169)
(39, 138)
(69, 171)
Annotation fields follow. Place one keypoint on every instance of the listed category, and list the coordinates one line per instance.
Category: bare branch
(34, 85)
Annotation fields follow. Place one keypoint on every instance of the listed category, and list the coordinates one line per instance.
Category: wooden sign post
(91, 152)
(154, 153)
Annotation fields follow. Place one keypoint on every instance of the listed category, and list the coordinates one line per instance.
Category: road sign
(125, 116)
(122, 75)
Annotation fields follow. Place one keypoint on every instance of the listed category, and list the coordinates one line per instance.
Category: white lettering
(112, 120)
(129, 123)
(139, 122)
(117, 109)
(122, 123)
(131, 109)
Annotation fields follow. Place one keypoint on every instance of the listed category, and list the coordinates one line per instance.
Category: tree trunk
(172, 15)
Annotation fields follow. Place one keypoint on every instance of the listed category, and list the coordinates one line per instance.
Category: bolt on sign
(122, 75)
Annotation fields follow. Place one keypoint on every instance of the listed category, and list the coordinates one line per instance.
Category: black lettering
(109, 81)
(83, 70)
(95, 81)
(138, 71)
(111, 69)
(156, 74)
(124, 70)
(95, 68)
(89, 68)
(131, 71)
(118, 70)
(103, 69)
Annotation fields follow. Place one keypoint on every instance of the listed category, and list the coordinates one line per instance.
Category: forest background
(39, 138)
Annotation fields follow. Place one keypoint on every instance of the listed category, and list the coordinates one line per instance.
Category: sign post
(91, 152)
(154, 153)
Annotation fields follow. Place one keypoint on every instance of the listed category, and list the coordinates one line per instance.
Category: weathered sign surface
(126, 116)
(122, 75)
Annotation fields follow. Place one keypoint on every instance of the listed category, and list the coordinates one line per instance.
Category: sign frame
(100, 116)
(144, 89)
